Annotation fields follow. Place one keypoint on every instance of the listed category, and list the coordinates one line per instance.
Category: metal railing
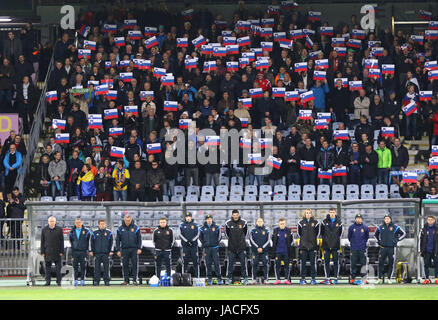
(14, 247)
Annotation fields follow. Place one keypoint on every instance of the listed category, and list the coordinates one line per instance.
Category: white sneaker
(379, 281)
(389, 281)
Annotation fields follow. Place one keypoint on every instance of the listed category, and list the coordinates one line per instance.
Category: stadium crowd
(336, 100)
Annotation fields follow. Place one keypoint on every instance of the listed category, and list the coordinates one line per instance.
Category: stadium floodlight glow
(5, 19)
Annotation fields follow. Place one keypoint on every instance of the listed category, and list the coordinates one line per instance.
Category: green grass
(341, 292)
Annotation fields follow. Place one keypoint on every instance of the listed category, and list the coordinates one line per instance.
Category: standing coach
(52, 249)
(236, 230)
(101, 248)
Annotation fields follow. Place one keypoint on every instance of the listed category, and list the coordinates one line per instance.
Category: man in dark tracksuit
(189, 234)
(210, 236)
(236, 230)
(388, 235)
(428, 247)
(259, 239)
(331, 233)
(101, 248)
(282, 245)
(79, 238)
(163, 242)
(308, 232)
(52, 249)
(128, 247)
(358, 235)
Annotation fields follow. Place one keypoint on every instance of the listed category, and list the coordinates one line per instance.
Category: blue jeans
(370, 181)
(169, 188)
(293, 178)
(382, 175)
(354, 177)
(54, 186)
(411, 126)
(308, 177)
(325, 181)
(259, 178)
(6, 94)
(120, 195)
(275, 182)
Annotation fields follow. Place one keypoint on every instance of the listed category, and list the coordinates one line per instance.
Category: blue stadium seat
(352, 192)
(381, 191)
(46, 199)
(367, 191)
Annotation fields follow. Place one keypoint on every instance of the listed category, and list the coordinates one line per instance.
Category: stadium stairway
(418, 153)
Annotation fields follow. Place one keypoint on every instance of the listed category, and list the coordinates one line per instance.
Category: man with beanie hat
(358, 235)
(428, 247)
(387, 235)
(210, 237)
(189, 234)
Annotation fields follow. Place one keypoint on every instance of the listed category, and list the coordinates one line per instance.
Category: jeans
(210, 178)
(279, 257)
(355, 177)
(169, 187)
(259, 178)
(293, 178)
(308, 177)
(275, 182)
(121, 195)
(411, 127)
(370, 181)
(382, 175)
(191, 173)
(57, 188)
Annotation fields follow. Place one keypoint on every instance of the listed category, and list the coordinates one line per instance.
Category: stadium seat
(381, 191)
(61, 198)
(279, 197)
(394, 191)
(206, 198)
(265, 190)
(250, 197)
(338, 192)
(280, 190)
(221, 198)
(193, 191)
(294, 192)
(180, 191)
(222, 190)
(207, 190)
(165, 198)
(192, 198)
(352, 192)
(177, 198)
(73, 198)
(265, 197)
(224, 181)
(236, 190)
(308, 196)
(235, 198)
(323, 192)
(251, 190)
(46, 199)
(309, 192)
(367, 191)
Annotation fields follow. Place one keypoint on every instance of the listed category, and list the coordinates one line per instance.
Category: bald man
(52, 249)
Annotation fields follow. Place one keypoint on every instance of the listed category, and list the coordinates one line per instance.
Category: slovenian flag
(326, 31)
(232, 49)
(432, 75)
(243, 62)
(199, 41)
(376, 52)
(258, 52)
(124, 63)
(232, 66)
(344, 82)
(371, 63)
(117, 152)
(95, 123)
(431, 34)
(339, 172)
(90, 44)
(130, 23)
(433, 163)
(307, 165)
(409, 177)
(243, 25)
(374, 73)
(425, 15)
(319, 75)
(134, 34)
(131, 109)
(144, 94)
(341, 135)
(341, 51)
(168, 80)
(249, 55)
(425, 95)
(256, 93)
(354, 43)
(110, 114)
(255, 158)
(227, 33)
(307, 96)
(291, 96)
(431, 65)
(153, 148)
(244, 41)
(300, 66)
(228, 41)
(280, 36)
(355, 85)
(101, 90)
(220, 23)
(150, 31)
(182, 42)
(314, 16)
(120, 41)
(278, 92)
(51, 96)
(338, 42)
(321, 64)
(297, 34)
(126, 76)
(111, 95)
(418, 39)
(388, 69)
(288, 4)
(62, 137)
(170, 106)
(84, 53)
(274, 162)
(83, 30)
(286, 43)
(190, 63)
(324, 116)
(109, 28)
(305, 114)
(212, 140)
(266, 46)
(245, 143)
(433, 25)
(209, 66)
(219, 51)
(246, 102)
(324, 174)
(206, 49)
(184, 123)
(387, 131)
(244, 122)
(410, 108)
(159, 72)
(266, 32)
(262, 64)
(144, 64)
(358, 34)
(58, 124)
(107, 64)
(265, 143)
(314, 55)
(272, 10)
(151, 42)
(321, 124)
(114, 132)
(187, 14)
(309, 42)
(434, 151)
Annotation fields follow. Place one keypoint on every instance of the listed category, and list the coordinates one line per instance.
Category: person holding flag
(85, 184)
(325, 160)
(388, 235)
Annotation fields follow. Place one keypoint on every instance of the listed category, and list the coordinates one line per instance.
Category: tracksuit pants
(232, 257)
(386, 253)
(130, 255)
(99, 259)
(162, 256)
(212, 257)
(357, 259)
(428, 257)
(311, 256)
(48, 264)
(279, 257)
(335, 257)
(79, 259)
(191, 254)
(256, 259)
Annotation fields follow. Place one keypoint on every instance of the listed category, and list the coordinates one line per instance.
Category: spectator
(15, 211)
(44, 176)
(368, 161)
(86, 186)
(137, 182)
(121, 178)
(384, 164)
(399, 156)
(308, 153)
(103, 184)
(361, 105)
(325, 160)
(7, 76)
(12, 163)
(12, 48)
(155, 179)
(57, 170)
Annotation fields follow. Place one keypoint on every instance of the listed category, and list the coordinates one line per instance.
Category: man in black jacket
(128, 247)
(368, 161)
(210, 236)
(102, 243)
(189, 234)
(282, 246)
(236, 230)
(428, 247)
(388, 235)
(308, 153)
(137, 184)
(308, 233)
(400, 156)
(331, 233)
(259, 238)
(163, 242)
(52, 249)
(79, 238)
(15, 210)
(364, 127)
(341, 160)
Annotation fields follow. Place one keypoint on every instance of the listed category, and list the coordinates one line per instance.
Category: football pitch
(294, 292)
